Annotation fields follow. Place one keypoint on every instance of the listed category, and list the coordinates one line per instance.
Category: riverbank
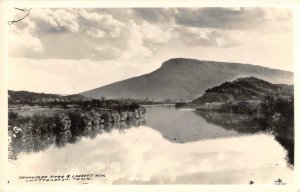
(240, 107)
(62, 126)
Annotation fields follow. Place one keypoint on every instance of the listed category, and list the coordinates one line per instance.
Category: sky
(67, 51)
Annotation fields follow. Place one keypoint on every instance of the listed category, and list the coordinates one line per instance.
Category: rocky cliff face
(186, 79)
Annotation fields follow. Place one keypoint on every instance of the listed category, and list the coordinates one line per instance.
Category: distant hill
(77, 96)
(181, 78)
(32, 97)
(244, 89)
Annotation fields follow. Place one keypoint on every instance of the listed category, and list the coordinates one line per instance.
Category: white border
(293, 5)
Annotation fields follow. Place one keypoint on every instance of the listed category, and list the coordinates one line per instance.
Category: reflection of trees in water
(240, 122)
(32, 142)
(288, 144)
(281, 129)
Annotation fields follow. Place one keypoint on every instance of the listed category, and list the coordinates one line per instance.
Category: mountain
(244, 89)
(182, 78)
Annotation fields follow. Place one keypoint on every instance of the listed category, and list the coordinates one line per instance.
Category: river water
(172, 146)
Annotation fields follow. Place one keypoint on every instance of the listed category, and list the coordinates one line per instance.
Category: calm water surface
(173, 146)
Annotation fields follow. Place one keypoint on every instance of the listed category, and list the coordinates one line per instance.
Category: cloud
(107, 52)
(96, 33)
(135, 46)
(55, 20)
(104, 23)
(76, 33)
(155, 33)
(66, 34)
(154, 15)
(75, 21)
(22, 42)
(228, 18)
(207, 37)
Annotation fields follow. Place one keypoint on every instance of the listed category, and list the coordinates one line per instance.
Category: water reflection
(289, 146)
(247, 124)
(171, 147)
(184, 125)
(142, 152)
(239, 122)
(175, 125)
(30, 142)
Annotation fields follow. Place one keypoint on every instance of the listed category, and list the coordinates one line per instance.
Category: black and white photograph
(150, 95)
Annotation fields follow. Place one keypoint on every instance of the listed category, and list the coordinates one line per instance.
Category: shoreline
(158, 105)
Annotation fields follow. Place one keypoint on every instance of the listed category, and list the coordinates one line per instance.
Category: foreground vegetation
(34, 133)
(38, 120)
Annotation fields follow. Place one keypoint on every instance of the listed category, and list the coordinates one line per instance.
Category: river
(172, 146)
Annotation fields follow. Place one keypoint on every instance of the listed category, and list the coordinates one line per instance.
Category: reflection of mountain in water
(35, 143)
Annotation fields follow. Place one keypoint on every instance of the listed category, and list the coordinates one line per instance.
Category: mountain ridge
(183, 78)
